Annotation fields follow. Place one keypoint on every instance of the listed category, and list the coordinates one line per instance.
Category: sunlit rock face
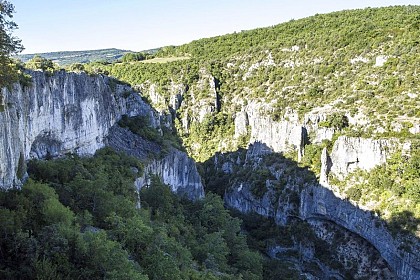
(58, 114)
(351, 153)
(178, 171)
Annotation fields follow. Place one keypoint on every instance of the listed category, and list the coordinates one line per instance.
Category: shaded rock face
(321, 203)
(77, 113)
(354, 253)
(123, 140)
(241, 198)
(175, 168)
(317, 202)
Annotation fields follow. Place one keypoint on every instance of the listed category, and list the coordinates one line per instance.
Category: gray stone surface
(351, 153)
(178, 171)
(174, 167)
(77, 113)
(66, 112)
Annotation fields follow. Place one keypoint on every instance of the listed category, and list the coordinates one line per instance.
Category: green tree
(9, 44)
(105, 259)
(41, 63)
(77, 67)
(128, 57)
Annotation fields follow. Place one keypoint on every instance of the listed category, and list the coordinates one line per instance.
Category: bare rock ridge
(69, 113)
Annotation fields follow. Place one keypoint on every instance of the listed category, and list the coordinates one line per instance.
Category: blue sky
(60, 25)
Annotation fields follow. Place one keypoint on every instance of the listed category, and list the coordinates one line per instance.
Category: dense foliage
(76, 218)
(9, 45)
(41, 63)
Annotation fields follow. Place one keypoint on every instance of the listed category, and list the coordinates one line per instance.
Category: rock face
(350, 153)
(241, 198)
(178, 171)
(320, 203)
(66, 112)
(74, 112)
(317, 202)
(282, 136)
(175, 168)
(122, 139)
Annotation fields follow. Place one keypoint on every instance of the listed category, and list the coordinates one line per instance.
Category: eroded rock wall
(58, 114)
(74, 113)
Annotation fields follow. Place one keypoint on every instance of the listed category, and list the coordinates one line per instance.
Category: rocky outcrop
(318, 202)
(241, 124)
(287, 133)
(201, 98)
(346, 241)
(77, 113)
(173, 167)
(351, 153)
(240, 197)
(58, 114)
(178, 171)
(283, 135)
(122, 139)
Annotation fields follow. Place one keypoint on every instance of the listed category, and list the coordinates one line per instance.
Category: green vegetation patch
(394, 187)
(77, 218)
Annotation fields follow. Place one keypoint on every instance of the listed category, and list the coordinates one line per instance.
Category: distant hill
(64, 58)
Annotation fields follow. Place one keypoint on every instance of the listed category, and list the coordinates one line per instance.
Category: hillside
(66, 58)
(343, 85)
(359, 64)
(307, 132)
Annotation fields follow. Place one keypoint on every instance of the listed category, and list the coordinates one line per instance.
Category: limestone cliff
(316, 198)
(318, 202)
(72, 113)
(295, 193)
(350, 153)
(64, 113)
(178, 171)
